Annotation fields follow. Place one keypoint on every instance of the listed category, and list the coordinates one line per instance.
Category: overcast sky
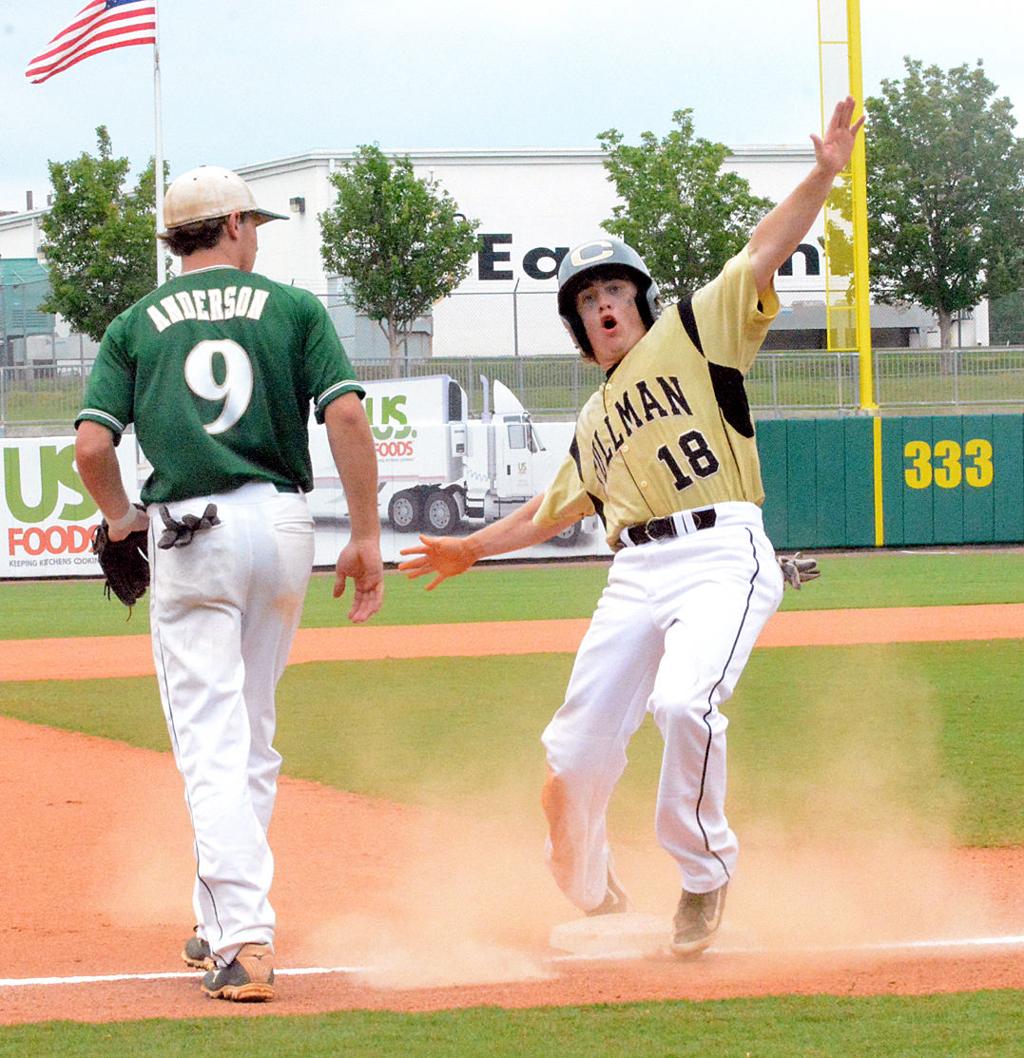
(250, 81)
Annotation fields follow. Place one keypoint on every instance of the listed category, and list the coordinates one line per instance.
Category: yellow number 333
(942, 465)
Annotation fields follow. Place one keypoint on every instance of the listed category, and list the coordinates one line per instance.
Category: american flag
(100, 26)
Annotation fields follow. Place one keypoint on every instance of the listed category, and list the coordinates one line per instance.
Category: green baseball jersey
(670, 428)
(217, 369)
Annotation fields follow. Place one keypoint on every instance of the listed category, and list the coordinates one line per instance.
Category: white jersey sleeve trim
(104, 418)
(350, 385)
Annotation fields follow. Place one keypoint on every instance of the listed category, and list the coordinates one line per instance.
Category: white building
(532, 204)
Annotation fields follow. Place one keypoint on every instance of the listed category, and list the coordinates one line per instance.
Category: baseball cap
(208, 192)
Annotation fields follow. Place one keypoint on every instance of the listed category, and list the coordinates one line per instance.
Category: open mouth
(608, 323)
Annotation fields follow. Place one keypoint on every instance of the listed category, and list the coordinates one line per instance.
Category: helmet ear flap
(648, 304)
(574, 325)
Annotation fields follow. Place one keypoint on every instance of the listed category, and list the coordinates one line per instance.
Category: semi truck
(439, 467)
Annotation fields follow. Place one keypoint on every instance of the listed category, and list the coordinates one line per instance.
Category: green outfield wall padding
(859, 484)
(909, 512)
(818, 479)
(802, 479)
(948, 507)
(947, 479)
(978, 504)
(830, 479)
(953, 479)
(771, 448)
(1008, 496)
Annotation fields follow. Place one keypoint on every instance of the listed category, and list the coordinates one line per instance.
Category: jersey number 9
(235, 389)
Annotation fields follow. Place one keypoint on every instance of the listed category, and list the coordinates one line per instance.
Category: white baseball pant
(672, 632)
(224, 610)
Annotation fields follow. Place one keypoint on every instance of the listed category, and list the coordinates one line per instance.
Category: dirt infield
(101, 657)
(415, 911)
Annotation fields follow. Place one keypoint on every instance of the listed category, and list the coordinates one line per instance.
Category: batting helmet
(585, 263)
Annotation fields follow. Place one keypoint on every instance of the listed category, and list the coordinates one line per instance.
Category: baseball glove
(125, 564)
(796, 569)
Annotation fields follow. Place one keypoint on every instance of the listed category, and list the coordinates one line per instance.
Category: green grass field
(936, 729)
(500, 592)
(976, 1025)
(796, 717)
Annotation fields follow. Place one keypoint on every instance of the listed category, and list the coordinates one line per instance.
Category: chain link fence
(46, 398)
(905, 381)
(41, 399)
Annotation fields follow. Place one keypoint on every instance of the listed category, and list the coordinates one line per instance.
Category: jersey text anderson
(215, 303)
(638, 405)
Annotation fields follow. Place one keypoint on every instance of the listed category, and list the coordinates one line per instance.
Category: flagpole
(158, 161)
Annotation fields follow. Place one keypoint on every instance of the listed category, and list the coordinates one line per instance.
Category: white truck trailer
(438, 466)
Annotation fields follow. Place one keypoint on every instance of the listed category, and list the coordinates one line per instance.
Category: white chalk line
(178, 975)
(1011, 941)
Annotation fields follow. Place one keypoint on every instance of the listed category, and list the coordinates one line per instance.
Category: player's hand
(833, 151)
(447, 556)
(361, 561)
(123, 527)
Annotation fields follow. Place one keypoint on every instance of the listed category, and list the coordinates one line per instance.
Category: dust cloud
(141, 864)
(851, 845)
(469, 902)
(854, 844)
(847, 840)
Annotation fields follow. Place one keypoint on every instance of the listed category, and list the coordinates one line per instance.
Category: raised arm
(448, 556)
(779, 234)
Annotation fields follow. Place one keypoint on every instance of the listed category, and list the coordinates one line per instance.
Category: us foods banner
(46, 517)
(436, 478)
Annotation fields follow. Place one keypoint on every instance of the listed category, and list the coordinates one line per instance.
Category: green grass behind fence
(555, 387)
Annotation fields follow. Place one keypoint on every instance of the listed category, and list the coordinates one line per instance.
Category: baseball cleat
(615, 901)
(248, 978)
(696, 921)
(197, 952)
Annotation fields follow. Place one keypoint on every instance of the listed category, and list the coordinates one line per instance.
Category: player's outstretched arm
(352, 448)
(448, 556)
(779, 234)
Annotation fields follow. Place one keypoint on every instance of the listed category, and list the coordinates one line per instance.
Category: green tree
(99, 238)
(1006, 319)
(398, 240)
(945, 191)
(680, 211)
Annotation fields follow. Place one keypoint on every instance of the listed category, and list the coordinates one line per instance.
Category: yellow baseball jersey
(670, 428)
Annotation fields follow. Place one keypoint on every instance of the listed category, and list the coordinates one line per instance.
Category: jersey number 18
(702, 461)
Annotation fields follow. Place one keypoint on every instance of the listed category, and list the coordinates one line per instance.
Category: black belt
(665, 528)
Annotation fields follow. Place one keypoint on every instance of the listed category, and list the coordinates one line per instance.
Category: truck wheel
(568, 537)
(440, 513)
(404, 512)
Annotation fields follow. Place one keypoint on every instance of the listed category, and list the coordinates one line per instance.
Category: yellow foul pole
(859, 173)
(847, 307)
